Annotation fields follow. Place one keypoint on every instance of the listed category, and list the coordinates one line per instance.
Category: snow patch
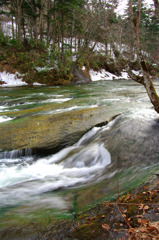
(104, 75)
(11, 80)
(40, 69)
(14, 80)
(137, 72)
(37, 84)
(124, 75)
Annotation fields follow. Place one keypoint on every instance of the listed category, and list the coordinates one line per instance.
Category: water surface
(36, 188)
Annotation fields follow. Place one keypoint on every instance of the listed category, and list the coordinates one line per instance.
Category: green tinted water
(43, 209)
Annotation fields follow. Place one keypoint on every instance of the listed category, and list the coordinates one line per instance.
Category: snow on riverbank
(13, 80)
(104, 75)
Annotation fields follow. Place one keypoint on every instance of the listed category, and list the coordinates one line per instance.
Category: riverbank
(31, 65)
(134, 215)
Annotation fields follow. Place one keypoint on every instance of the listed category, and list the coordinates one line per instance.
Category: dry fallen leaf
(128, 197)
(106, 227)
(143, 221)
(139, 216)
(146, 207)
(92, 218)
(141, 206)
(153, 226)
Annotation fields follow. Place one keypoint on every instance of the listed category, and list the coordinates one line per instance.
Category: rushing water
(13, 102)
(87, 169)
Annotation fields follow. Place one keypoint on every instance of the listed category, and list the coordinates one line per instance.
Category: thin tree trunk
(19, 15)
(156, 4)
(23, 24)
(40, 21)
(13, 31)
(48, 22)
(13, 34)
(62, 36)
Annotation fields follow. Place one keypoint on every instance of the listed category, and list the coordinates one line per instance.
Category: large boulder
(49, 133)
(79, 76)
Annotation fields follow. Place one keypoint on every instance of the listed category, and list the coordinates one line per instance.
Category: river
(38, 189)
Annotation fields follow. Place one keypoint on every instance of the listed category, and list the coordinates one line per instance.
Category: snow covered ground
(104, 75)
(13, 80)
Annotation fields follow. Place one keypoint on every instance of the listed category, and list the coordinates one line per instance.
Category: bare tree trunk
(13, 35)
(156, 3)
(13, 32)
(62, 36)
(48, 22)
(146, 76)
(19, 15)
(23, 25)
(40, 21)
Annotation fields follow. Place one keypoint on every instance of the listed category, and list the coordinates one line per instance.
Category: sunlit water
(32, 183)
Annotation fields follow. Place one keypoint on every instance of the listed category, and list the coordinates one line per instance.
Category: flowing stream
(33, 188)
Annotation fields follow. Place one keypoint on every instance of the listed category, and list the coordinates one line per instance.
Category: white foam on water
(3, 109)
(145, 114)
(74, 165)
(72, 108)
(5, 119)
(58, 100)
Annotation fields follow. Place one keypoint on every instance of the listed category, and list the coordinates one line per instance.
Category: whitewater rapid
(23, 177)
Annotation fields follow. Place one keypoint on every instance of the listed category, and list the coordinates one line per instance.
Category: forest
(72, 30)
(79, 157)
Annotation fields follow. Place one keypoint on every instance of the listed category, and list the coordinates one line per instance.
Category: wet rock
(133, 139)
(49, 133)
(79, 76)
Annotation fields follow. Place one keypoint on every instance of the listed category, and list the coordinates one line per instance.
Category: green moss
(87, 231)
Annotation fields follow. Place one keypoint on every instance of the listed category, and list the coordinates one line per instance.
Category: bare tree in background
(156, 3)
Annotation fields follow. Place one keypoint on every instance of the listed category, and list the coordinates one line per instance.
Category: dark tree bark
(19, 18)
(156, 3)
(40, 20)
